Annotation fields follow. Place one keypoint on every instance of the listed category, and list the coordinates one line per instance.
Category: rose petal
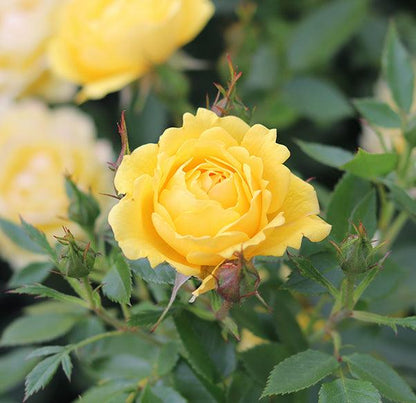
(133, 229)
(141, 161)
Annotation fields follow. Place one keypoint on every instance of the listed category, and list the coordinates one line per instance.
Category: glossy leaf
(168, 356)
(40, 290)
(327, 155)
(371, 166)
(37, 328)
(370, 317)
(41, 375)
(316, 99)
(299, 372)
(365, 212)
(348, 391)
(19, 236)
(162, 274)
(398, 70)
(32, 273)
(382, 376)
(347, 195)
(308, 270)
(260, 360)
(337, 22)
(378, 113)
(39, 238)
(117, 282)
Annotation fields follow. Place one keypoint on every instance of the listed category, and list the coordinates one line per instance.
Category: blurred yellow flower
(393, 138)
(210, 188)
(25, 28)
(103, 45)
(38, 147)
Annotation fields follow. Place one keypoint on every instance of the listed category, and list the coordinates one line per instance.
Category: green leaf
(67, 365)
(410, 133)
(147, 396)
(196, 350)
(299, 372)
(39, 238)
(17, 235)
(285, 323)
(308, 270)
(14, 366)
(365, 212)
(398, 70)
(195, 388)
(167, 395)
(121, 366)
(348, 391)
(369, 317)
(370, 166)
(161, 274)
(145, 314)
(378, 113)
(117, 282)
(41, 375)
(347, 194)
(168, 357)
(40, 290)
(327, 155)
(32, 273)
(260, 360)
(114, 391)
(244, 390)
(316, 99)
(402, 198)
(47, 350)
(337, 22)
(381, 375)
(37, 328)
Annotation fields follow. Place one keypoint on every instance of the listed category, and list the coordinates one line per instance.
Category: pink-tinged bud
(237, 279)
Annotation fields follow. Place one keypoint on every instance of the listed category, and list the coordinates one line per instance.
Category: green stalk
(89, 292)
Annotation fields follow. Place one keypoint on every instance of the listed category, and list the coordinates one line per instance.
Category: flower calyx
(356, 253)
(77, 260)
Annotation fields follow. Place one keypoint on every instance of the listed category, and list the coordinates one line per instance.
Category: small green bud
(83, 208)
(77, 260)
(356, 253)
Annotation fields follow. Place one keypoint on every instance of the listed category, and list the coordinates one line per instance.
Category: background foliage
(302, 63)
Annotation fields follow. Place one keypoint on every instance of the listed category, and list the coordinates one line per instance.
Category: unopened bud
(77, 260)
(237, 279)
(356, 253)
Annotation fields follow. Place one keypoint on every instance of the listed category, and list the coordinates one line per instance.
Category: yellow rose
(210, 188)
(105, 44)
(25, 28)
(38, 147)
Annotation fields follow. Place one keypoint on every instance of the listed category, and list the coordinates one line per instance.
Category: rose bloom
(25, 28)
(38, 147)
(103, 45)
(392, 137)
(213, 187)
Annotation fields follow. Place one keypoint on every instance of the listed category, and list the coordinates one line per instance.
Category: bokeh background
(302, 63)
